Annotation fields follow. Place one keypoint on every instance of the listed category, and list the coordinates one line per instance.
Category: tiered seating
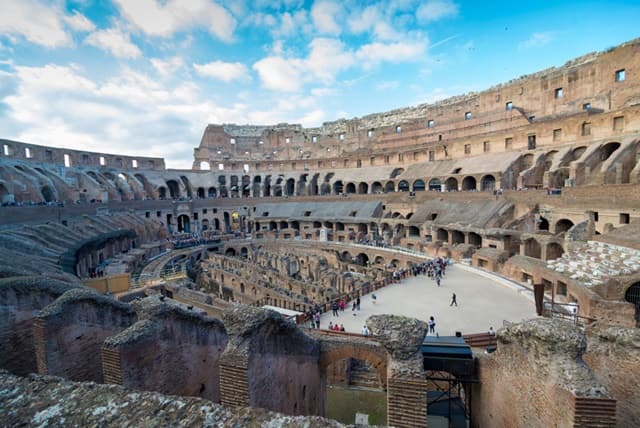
(594, 262)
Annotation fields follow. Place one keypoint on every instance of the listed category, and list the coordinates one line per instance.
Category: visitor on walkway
(330, 327)
(492, 331)
(358, 303)
(334, 308)
(365, 330)
(341, 327)
(432, 325)
(453, 300)
(373, 296)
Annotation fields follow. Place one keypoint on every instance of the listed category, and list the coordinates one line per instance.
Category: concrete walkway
(483, 301)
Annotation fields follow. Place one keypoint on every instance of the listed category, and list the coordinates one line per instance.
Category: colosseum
(132, 293)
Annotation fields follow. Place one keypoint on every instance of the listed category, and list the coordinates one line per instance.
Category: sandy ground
(482, 302)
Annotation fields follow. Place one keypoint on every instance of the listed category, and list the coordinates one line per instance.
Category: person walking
(432, 325)
(453, 300)
(358, 303)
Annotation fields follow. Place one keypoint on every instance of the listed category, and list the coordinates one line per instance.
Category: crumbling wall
(270, 363)
(613, 353)
(172, 350)
(537, 378)
(20, 300)
(68, 333)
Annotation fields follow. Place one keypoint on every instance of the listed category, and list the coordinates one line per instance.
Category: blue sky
(145, 77)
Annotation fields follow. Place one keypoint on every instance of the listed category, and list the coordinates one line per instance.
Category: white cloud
(225, 71)
(374, 53)
(280, 74)
(537, 40)
(365, 20)
(79, 22)
(34, 21)
(115, 41)
(167, 67)
(390, 84)
(434, 10)
(167, 17)
(323, 14)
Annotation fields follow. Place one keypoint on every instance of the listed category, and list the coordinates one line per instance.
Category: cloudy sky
(144, 77)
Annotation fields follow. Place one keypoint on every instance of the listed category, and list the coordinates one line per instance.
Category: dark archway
(338, 187)
(451, 184)
(469, 183)
(488, 183)
(390, 187)
(435, 184)
(532, 248)
(543, 224)
(632, 295)
(475, 239)
(363, 188)
(607, 150)
(376, 187)
(554, 251)
(174, 189)
(200, 192)
(563, 225)
(442, 235)
(418, 185)
(457, 237)
(212, 192)
(184, 224)
(403, 186)
(290, 187)
(48, 194)
(351, 188)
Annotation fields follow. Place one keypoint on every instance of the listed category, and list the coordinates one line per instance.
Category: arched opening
(475, 239)
(205, 166)
(257, 183)
(390, 187)
(267, 186)
(418, 185)
(290, 187)
(162, 192)
(338, 187)
(442, 235)
(339, 227)
(200, 192)
(187, 185)
(543, 224)
(230, 252)
(554, 251)
(205, 224)
(469, 183)
(234, 187)
(284, 224)
(212, 192)
(457, 237)
(351, 188)
(488, 183)
(632, 295)
(451, 184)
(48, 194)
(362, 259)
(607, 150)
(403, 186)
(363, 188)
(396, 172)
(414, 232)
(563, 225)
(273, 225)
(435, 184)
(246, 186)
(376, 187)
(532, 248)
(174, 189)
(345, 256)
(242, 287)
(244, 252)
(184, 225)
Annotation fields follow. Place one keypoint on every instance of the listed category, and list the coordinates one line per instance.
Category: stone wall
(172, 350)
(70, 331)
(613, 353)
(20, 301)
(537, 378)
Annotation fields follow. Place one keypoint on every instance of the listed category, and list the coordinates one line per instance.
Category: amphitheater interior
(151, 282)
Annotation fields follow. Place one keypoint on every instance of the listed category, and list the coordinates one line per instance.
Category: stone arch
(345, 256)
(543, 224)
(607, 150)
(403, 186)
(376, 187)
(527, 161)
(212, 192)
(187, 185)
(205, 224)
(339, 226)
(230, 252)
(475, 239)
(435, 184)
(451, 184)
(48, 194)
(469, 183)
(390, 186)
(396, 172)
(350, 188)
(457, 237)
(414, 231)
(174, 189)
(162, 192)
(563, 225)
(488, 183)
(363, 188)
(532, 248)
(244, 252)
(418, 185)
(632, 295)
(290, 187)
(442, 235)
(362, 259)
(379, 260)
(205, 166)
(184, 224)
(246, 186)
(335, 352)
(554, 251)
(200, 193)
(338, 187)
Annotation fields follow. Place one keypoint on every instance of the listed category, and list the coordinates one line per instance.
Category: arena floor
(483, 301)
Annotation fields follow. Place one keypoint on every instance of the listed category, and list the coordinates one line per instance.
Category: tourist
(334, 307)
(373, 297)
(432, 325)
(453, 300)
(342, 327)
(492, 331)
(354, 307)
(358, 303)
(330, 326)
(336, 327)
(365, 330)
(317, 319)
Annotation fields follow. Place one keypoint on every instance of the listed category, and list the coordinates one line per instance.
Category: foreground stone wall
(537, 378)
(70, 331)
(613, 353)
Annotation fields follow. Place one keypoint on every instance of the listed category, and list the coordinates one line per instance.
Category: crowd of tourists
(186, 240)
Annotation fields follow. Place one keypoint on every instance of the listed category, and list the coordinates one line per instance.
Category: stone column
(402, 337)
